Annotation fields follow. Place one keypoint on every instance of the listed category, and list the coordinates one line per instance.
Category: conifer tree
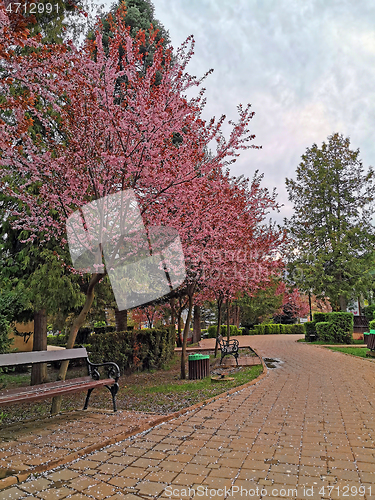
(331, 236)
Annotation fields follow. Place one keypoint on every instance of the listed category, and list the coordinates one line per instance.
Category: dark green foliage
(369, 312)
(223, 331)
(342, 327)
(104, 329)
(310, 328)
(260, 307)
(372, 324)
(59, 340)
(134, 350)
(332, 226)
(5, 342)
(323, 330)
(259, 329)
(277, 328)
(318, 317)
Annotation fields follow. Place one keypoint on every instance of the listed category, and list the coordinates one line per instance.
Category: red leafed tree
(106, 127)
(294, 305)
(249, 259)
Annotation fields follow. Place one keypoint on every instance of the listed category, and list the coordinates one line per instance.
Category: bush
(369, 312)
(319, 317)
(5, 341)
(276, 328)
(292, 329)
(372, 324)
(259, 329)
(100, 329)
(59, 340)
(342, 327)
(223, 331)
(310, 328)
(145, 349)
(323, 330)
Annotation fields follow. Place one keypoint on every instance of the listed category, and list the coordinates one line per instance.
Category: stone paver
(40, 445)
(305, 431)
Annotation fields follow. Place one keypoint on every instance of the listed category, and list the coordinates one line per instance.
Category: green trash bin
(371, 340)
(365, 336)
(199, 366)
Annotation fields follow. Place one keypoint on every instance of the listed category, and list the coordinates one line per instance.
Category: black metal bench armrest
(113, 371)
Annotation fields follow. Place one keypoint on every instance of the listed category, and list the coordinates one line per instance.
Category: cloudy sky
(306, 66)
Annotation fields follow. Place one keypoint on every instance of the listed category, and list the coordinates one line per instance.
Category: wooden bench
(60, 387)
(228, 347)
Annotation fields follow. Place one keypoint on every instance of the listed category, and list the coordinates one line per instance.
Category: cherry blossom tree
(106, 128)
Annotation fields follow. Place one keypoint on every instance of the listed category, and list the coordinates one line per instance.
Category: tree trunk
(219, 308)
(342, 302)
(197, 325)
(39, 371)
(121, 319)
(237, 316)
(228, 319)
(186, 332)
(78, 322)
(173, 316)
(178, 338)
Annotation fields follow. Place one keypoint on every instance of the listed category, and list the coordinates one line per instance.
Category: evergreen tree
(331, 236)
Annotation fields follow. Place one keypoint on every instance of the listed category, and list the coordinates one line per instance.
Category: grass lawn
(158, 391)
(322, 342)
(356, 351)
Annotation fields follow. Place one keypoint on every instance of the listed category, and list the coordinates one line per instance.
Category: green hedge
(223, 331)
(372, 324)
(310, 328)
(276, 328)
(340, 329)
(319, 317)
(59, 340)
(323, 330)
(145, 349)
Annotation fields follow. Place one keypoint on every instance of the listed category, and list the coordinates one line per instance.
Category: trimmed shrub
(323, 330)
(342, 327)
(223, 331)
(145, 349)
(319, 317)
(369, 312)
(310, 328)
(277, 328)
(59, 340)
(292, 329)
(372, 324)
(259, 329)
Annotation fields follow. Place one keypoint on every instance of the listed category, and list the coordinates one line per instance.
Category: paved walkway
(306, 430)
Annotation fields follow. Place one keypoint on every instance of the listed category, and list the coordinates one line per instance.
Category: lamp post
(310, 305)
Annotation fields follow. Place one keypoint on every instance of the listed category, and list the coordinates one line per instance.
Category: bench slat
(24, 358)
(35, 392)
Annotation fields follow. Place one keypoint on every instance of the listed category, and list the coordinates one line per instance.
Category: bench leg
(87, 399)
(236, 356)
(113, 389)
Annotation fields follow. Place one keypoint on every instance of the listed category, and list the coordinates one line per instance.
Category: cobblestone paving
(306, 431)
(36, 444)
